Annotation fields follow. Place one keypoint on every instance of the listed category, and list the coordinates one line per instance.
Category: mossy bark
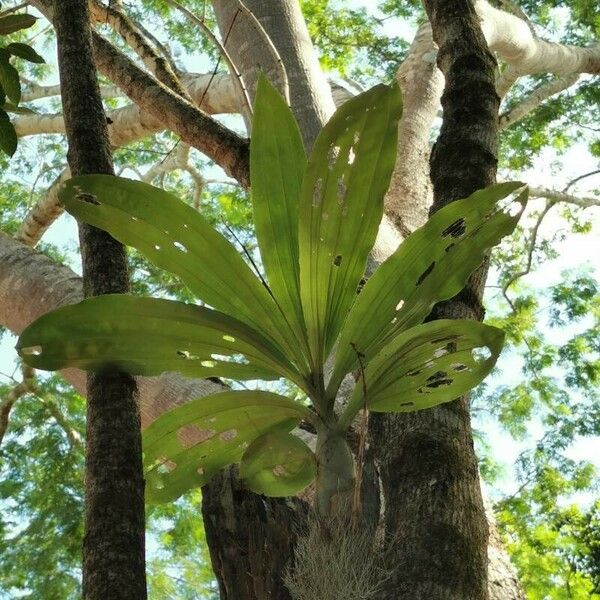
(428, 464)
(113, 552)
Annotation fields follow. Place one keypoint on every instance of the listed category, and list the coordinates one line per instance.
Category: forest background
(537, 421)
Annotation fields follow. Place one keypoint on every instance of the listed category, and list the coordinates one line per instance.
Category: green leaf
(147, 336)
(12, 23)
(277, 163)
(427, 365)
(186, 446)
(341, 206)
(278, 464)
(18, 110)
(9, 77)
(173, 236)
(431, 265)
(25, 52)
(8, 135)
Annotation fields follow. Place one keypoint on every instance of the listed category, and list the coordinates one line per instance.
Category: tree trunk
(113, 552)
(435, 516)
(310, 94)
(250, 538)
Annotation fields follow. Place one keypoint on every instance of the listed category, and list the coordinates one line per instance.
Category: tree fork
(113, 550)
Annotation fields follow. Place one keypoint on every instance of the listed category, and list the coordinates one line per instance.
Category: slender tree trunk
(113, 552)
(435, 511)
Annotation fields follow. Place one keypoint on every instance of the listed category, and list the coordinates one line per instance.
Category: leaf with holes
(277, 163)
(146, 336)
(341, 206)
(176, 238)
(431, 265)
(186, 446)
(278, 464)
(427, 365)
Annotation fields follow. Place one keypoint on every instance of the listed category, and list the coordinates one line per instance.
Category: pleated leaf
(341, 206)
(175, 237)
(185, 447)
(147, 336)
(278, 464)
(277, 163)
(427, 365)
(431, 265)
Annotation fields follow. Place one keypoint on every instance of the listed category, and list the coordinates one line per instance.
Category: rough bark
(250, 538)
(435, 516)
(113, 548)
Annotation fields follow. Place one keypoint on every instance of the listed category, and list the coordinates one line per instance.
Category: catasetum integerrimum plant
(316, 220)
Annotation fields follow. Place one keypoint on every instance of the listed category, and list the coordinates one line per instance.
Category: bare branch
(130, 33)
(43, 214)
(538, 96)
(54, 411)
(37, 92)
(531, 244)
(561, 196)
(527, 54)
(580, 178)
(222, 51)
(226, 148)
(13, 395)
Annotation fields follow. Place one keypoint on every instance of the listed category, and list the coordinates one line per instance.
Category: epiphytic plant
(316, 221)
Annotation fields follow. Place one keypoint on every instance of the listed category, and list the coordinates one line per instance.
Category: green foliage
(288, 326)
(347, 36)
(278, 464)
(41, 496)
(439, 360)
(41, 509)
(10, 84)
(190, 444)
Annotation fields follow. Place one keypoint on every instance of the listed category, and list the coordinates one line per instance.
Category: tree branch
(226, 148)
(515, 43)
(246, 108)
(13, 395)
(538, 96)
(133, 37)
(561, 196)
